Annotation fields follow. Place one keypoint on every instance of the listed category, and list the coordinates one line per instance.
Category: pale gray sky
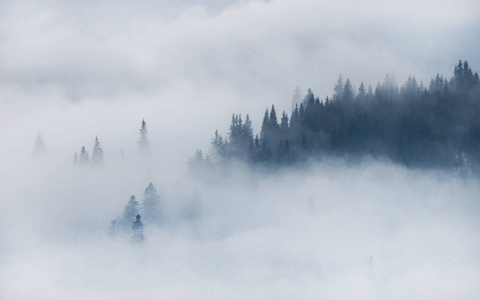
(104, 49)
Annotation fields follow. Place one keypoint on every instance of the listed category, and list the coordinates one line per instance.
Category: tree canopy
(414, 125)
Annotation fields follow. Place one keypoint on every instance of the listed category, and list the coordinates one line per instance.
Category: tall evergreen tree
(84, 158)
(131, 210)
(265, 130)
(348, 93)
(309, 98)
(273, 123)
(143, 142)
(218, 149)
(362, 92)
(97, 154)
(338, 89)
(151, 205)
(284, 123)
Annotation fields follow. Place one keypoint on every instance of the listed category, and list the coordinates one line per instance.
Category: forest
(416, 126)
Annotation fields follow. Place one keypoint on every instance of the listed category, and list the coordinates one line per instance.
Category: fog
(334, 229)
(367, 231)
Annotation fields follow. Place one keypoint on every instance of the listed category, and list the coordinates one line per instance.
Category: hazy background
(74, 70)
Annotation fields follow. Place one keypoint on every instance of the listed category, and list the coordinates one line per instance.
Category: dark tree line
(416, 126)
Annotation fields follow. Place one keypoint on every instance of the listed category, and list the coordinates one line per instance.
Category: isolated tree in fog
(97, 154)
(137, 227)
(39, 148)
(143, 142)
(84, 157)
(131, 209)
(151, 205)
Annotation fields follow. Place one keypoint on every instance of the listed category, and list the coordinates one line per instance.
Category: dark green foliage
(414, 126)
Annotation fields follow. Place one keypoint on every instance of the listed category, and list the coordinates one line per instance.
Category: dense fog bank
(368, 231)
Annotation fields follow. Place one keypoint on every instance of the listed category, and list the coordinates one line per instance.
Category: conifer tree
(137, 227)
(338, 89)
(143, 142)
(218, 147)
(151, 205)
(84, 158)
(362, 92)
(284, 125)
(131, 210)
(309, 98)
(348, 93)
(247, 131)
(273, 122)
(97, 154)
(264, 132)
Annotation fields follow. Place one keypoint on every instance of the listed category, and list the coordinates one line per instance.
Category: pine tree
(309, 98)
(151, 205)
(247, 130)
(338, 89)
(362, 92)
(273, 119)
(264, 131)
(131, 210)
(137, 227)
(218, 148)
(143, 142)
(284, 125)
(97, 154)
(348, 93)
(84, 158)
